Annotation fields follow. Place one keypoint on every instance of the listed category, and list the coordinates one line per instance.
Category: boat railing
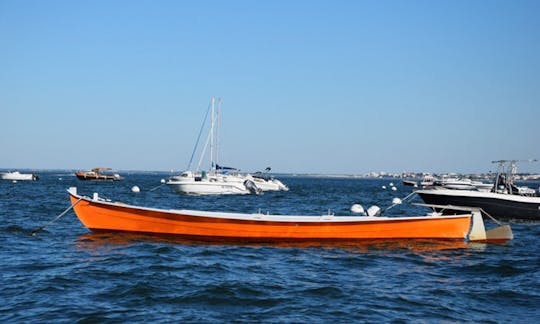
(451, 207)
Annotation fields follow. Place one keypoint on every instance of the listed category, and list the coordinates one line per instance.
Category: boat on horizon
(455, 183)
(103, 215)
(505, 200)
(98, 174)
(17, 176)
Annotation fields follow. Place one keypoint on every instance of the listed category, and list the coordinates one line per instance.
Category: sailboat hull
(208, 188)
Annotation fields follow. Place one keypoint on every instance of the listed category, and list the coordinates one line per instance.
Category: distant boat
(268, 183)
(462, 184)
(411, 183)
(451, 182)
(98, 214)
(99, 174)
(16, 176)
(504, 200)
(215, 181)
(220, 180)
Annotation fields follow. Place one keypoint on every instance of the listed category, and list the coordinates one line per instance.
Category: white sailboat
(214, 181)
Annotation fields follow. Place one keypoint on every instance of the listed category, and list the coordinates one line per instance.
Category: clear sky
(307, 86)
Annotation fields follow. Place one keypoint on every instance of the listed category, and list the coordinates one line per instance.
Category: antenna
(508, 168)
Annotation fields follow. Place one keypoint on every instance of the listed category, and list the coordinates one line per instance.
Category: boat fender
(374, 211)
(358, 209)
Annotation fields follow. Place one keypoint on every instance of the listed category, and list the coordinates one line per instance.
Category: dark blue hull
(499, 208)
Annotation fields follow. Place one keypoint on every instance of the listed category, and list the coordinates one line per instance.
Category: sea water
(66, 273)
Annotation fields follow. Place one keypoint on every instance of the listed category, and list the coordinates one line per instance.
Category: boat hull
(18, 176)
(208, 188)
(106, 216)
(502, 206)
(100, 177)
(270, 185)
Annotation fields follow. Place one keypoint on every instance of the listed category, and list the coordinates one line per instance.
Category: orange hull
(99, 215)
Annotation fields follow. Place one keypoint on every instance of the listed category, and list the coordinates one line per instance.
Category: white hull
(264, 185)
(271, 185)
(17, 176)
(208, 188)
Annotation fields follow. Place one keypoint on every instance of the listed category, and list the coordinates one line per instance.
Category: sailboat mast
(212, 121)
(218, 129)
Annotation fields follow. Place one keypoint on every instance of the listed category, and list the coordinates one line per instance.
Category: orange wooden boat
(98, 214)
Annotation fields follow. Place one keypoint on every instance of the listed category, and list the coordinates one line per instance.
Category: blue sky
(307, 86)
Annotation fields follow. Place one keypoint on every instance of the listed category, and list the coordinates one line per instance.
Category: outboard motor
(252, 187)
(374, 211)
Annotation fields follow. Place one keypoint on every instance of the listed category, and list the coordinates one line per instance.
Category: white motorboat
(462, 184)
(263, 180)
(454, 183)
(16, 176)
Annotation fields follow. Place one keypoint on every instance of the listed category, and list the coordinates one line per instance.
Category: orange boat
(99, 214)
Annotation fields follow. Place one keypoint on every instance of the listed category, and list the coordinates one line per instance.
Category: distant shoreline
(409, 176)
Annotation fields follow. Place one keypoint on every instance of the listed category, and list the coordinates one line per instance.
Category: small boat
(16, 176)
(99, 174)
(219, 180)
(99, 214)
(462, 184)
(455, 183)
(266, 182)
(411, 183)
(505, 200)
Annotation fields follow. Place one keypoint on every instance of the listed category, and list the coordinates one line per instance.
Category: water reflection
(95, 241)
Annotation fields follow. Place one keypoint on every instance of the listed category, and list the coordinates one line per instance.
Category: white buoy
(384, 187)
(135, 189)
(14, 181)
(162, 181)
(60, 179)
(357, 209)
(396, 201)
(394, 188)
(391, 184)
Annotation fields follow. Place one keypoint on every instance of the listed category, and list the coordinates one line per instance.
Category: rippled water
(67, 274)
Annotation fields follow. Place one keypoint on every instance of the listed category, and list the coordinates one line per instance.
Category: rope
(157, 187)
(402, 200)
(198, 137)
(56, 218)
(409, 195)
(491, 217)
